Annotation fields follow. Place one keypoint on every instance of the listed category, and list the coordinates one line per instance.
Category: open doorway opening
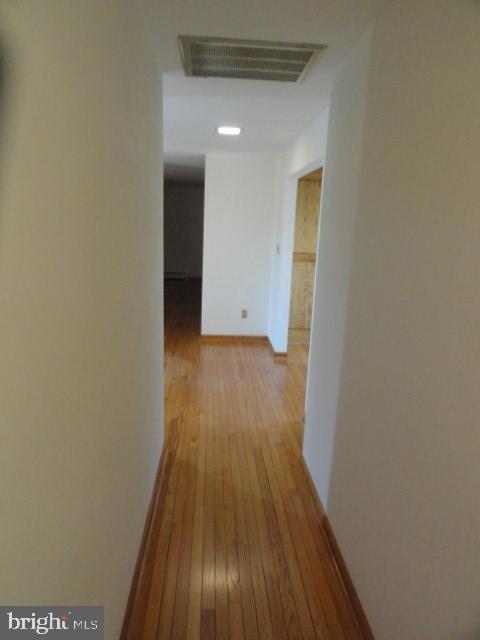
(304, 257)
(183, 247)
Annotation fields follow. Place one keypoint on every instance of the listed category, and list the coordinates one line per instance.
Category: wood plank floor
(235, 547)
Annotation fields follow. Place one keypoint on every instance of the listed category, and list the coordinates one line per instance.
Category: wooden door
(305, 250)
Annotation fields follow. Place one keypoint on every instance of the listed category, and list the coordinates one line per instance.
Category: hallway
(235, 549)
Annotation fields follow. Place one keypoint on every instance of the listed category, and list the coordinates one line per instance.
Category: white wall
(80, 301)
(333, 268)
(305, 154)
(403, 494)
(238, 237)
(183, 227)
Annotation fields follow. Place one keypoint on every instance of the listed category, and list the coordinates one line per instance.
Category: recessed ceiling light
(229, 131)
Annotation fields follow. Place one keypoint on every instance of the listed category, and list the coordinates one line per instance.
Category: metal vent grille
(246, 59)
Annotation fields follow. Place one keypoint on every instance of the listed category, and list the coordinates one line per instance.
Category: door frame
(298, 180)
(290, 208)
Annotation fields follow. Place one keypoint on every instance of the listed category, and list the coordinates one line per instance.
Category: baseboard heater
(176, 275)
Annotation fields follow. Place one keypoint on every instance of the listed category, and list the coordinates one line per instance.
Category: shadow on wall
(5, 93)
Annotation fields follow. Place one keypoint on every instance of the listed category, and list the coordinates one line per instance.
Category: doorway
(183, 249)
(304, 257)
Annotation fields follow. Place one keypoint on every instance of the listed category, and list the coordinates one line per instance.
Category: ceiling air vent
(246, 59)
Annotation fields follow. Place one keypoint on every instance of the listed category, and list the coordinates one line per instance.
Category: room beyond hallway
(235, 548)
(307, 220)
(182, 224)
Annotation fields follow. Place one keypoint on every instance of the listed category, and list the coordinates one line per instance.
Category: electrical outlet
(244, 314)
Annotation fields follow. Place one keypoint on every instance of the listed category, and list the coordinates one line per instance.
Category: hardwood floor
(235, 547)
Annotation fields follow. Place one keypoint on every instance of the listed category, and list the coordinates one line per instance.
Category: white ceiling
(270, 114)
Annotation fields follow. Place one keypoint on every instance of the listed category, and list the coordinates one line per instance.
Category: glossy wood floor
(235, 548)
